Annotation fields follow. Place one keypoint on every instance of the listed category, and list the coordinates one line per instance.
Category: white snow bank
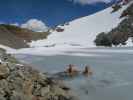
(83, 31)
(129, 42)
(46, 50)
(8, 49)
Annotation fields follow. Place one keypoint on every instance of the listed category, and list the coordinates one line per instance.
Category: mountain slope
(76, 35)
(16, 37)
(83, 31)
(120, 34)
(8, 39)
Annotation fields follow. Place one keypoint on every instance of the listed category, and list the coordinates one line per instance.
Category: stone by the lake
(4, 71)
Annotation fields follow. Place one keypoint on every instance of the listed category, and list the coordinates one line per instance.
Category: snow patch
(8, 49)
(83, 31)
(129, 42)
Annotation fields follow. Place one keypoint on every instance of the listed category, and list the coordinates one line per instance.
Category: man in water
(87, 71)
(72, 70)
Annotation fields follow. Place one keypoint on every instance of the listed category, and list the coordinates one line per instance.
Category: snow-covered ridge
(83, 31)
(80, 33)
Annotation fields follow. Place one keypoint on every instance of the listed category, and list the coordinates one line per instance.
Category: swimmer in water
(87, 71)
(72, 70)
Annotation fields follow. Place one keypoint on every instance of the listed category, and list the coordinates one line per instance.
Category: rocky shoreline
(22, 82)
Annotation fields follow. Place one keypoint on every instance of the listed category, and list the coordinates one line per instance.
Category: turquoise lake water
(112, 78)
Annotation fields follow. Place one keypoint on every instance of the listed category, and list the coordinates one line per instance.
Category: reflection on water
(112, 78)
